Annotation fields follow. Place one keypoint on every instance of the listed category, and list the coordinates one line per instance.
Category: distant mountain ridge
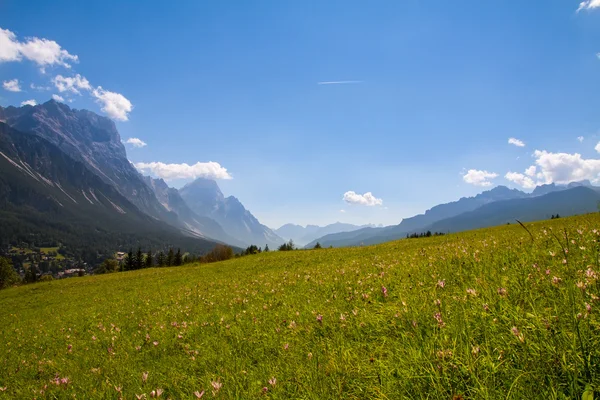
(204, 197)
(458, 215)
(303, 235)
(204, 226)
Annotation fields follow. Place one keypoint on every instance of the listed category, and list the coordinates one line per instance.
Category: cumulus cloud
(521, 180)
(115, 105)
(531, 171)
(366, 199)
(479, 177)
(210, 170)
(597, 148)
(588, 5)
(516, 142)
(12, 85)
(136, 142)
(71, 84)
(29, 103)
(58, 98)
(564, 168)
(43, 52)
(342, 211)
(580, 138)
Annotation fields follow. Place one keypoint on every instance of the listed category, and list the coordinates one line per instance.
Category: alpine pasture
(506, 312)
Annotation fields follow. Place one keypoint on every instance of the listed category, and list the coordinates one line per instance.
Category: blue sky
(438, 89)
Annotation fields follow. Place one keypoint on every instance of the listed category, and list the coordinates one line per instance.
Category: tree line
(423, 234)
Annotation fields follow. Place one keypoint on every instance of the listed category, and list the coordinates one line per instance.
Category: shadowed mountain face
(205, 198)
(92, 140)
(45, 195)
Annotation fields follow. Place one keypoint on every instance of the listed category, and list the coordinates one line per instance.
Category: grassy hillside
(487, 314)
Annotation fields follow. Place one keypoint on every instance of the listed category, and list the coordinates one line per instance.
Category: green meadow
(500, 313)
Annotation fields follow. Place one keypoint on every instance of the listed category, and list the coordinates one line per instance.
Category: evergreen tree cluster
(287, 246)
(423, 234)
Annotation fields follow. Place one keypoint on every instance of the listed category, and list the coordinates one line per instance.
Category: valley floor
(488, 314)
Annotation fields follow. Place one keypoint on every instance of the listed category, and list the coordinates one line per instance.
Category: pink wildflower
(556, 280)
(199, 394)
(442, 283)
(216, 385)
(272, 381)
(155, 343)
(320, 318)
(502, 291)
(438, 318)
(144, 376)
(286, 346)
(384, 291)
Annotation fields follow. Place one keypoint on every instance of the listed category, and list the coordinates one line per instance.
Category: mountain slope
(172, 201)
(92, 140)
(567, 202)
(564, 201)
(205, 198)
(46, 196)
(418, 222)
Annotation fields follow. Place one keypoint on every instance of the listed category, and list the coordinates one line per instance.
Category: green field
(47, 250)
(488, 314)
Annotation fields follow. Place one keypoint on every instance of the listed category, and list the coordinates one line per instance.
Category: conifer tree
(129, 261)
(160, 259)
(149, 259)
(139, 259)
(170, 257)
(266, 248)
(178, 258)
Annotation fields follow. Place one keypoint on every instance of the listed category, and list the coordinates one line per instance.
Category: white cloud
(342, 211)
(71, 84)
(479, 178)
(366, 199)
(580, 138)
(531, 171)
(12, 85)
(136, 142)
(516, 142)
(43, 52)
(114, 104)
(597, 148)
(588, 5)
(39, 88)
(210, 170)
(521, 180)
(58, 98)
(564, 168)
(46, 53)
(29, 103)
(9, 47)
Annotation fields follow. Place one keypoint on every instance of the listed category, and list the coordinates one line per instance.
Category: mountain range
(65, 177)
(302, 235)
(47, 197)
(93, 146)
(497, 206)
